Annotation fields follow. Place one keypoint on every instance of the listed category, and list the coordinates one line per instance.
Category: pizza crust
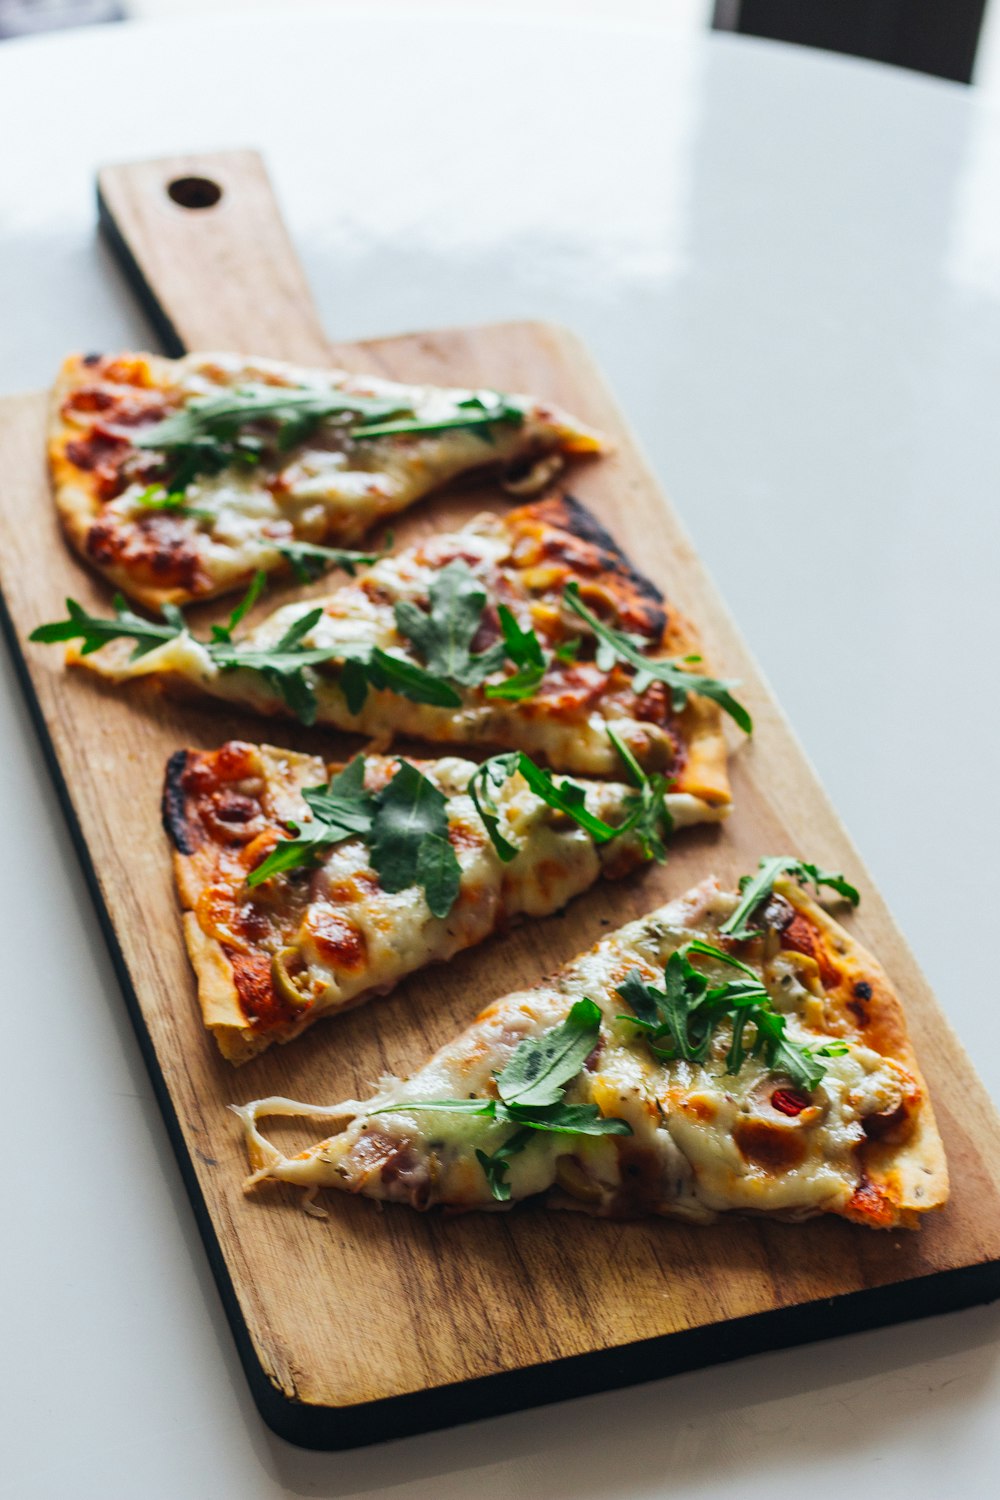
(703, 1142)
(271, 961)
(907, 1178)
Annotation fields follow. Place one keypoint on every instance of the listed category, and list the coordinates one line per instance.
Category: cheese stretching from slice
(273, 958)
(523, 561)
(862, 1144)
(327, 488)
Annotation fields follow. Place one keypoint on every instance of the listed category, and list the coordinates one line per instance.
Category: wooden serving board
(373, 1324)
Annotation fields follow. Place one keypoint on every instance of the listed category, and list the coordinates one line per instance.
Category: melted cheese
(332, 490)
(361, 615)
(708, 1142)
(355, 938)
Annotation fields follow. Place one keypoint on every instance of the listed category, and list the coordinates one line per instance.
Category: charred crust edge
(173, 805)
(571, 515)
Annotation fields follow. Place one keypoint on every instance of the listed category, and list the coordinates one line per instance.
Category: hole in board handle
(194, 192)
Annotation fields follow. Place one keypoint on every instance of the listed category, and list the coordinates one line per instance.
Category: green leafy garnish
(565, 796)
(209, 433)
(155, 497)
(622, 646)
(531, 1090)
(478, 413)
(443, 634)
(409, 839)
(680, 1021)
(224, 633)
(524, 649)
(95, 632)
(239, 426)
(308, 559)
(405, 826)
(649, 817)
(340, 810)
(647, 814)
(284, 665)
(756, 888)
(484, 785)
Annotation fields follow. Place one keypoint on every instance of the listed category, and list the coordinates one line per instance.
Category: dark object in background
(931, 36)
(26, 17)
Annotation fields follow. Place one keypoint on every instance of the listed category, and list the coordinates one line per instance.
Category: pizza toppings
(407, 831)
(681, 1020)
(726, 1089)
(286, 666)
(246, 458)
(248, 424)
(648, 815)
(755, 890)
(330, 891)
(466, 637)
(530, 1094)
(627, 648)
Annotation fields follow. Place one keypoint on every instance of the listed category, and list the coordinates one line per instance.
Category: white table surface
(790, 267)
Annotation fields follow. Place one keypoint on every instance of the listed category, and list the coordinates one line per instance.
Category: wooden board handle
(203, 243)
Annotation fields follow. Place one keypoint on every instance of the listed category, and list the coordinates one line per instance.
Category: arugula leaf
(524, 649)
(96, 632)
(478, 414)
(567, 797)
(409, 839)
(210, 433)
(650, 817)
(622, 646)
(340, 810)
(540, 1067)
(756, 888)
(384, 669)
(405, 826)
(495, 1166)
(155, 497)
(439, 872)
(443, 634)
(283, 665)
(257, 586)
(205, 435)
(308, 559)
(486, 781)
(680, 1021)
(531, 1088)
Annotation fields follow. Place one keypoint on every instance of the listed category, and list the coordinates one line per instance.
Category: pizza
(179, 479)
(723, 1054)
(307, 890)
(530, 631)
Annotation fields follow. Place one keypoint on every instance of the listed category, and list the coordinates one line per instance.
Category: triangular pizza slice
(308, 889)
(179, 479)
(530, 631)
(723, 1054)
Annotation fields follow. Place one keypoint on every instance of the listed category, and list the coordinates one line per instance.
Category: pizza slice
(179, 479)
(307, 890)
(531, 631)
(726, 1053)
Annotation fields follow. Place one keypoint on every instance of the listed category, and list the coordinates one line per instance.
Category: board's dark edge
(148, 301)
(537, 1385)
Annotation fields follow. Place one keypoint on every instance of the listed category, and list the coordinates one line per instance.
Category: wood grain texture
(374, 1323)
(225, 275)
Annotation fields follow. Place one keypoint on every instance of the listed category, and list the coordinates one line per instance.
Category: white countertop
(789, 266)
